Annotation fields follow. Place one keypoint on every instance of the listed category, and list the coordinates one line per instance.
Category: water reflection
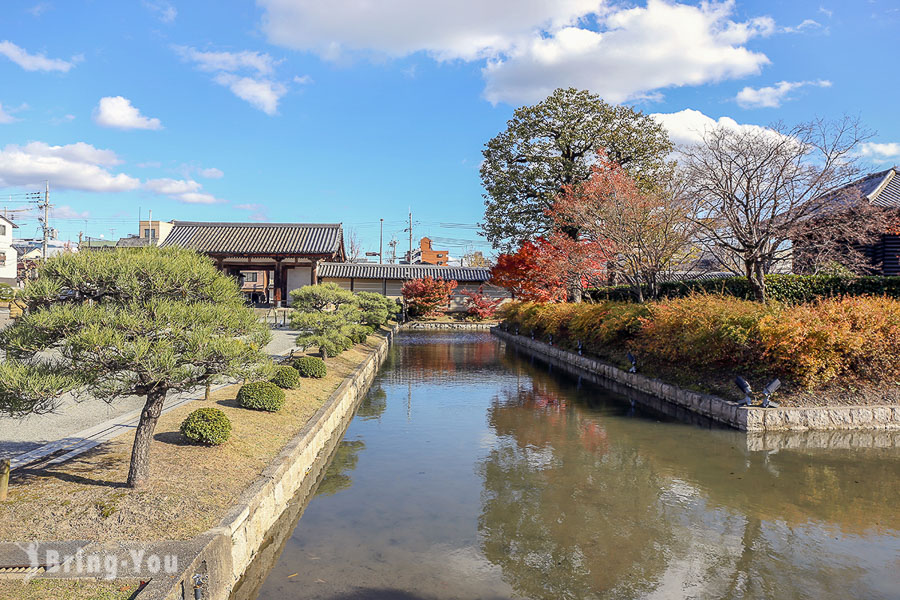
(479, 474)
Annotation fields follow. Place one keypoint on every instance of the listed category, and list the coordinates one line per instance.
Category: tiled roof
(260, 239)
(401, 272)
(132, 242)
(881, 188)
(888, 193)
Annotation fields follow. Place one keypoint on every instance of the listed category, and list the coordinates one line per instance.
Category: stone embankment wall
(462, 326)
(225, 552)
(713, 407)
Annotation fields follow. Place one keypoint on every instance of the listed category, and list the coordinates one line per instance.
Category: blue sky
(307, 111)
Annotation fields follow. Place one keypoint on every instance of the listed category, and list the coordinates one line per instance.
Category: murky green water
(473, 472)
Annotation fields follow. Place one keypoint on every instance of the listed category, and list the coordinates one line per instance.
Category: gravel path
(25, 434)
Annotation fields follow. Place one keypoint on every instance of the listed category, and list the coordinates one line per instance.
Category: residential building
(8, 254)
(428, 255)
(155, 232)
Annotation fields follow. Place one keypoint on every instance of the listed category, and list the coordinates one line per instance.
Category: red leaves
(479, 305)
(427, 296)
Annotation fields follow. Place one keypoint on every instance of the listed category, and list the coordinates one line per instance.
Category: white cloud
(183, 190)
(5, 117)
(35, 62)
(117, 112)
(211, 173)
(40, 8)
(688, 126)
(164, 10)
(258, 211)
(466, 29)
(773, 96)
(74, 166)
(263, 64)
(881, 152)
(257, 87)
(535, 46)
(303, 80)
(264, 94)
(639, 50)
(67, 212)
(805, 26)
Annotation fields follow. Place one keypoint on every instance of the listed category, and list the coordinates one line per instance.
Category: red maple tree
(427, 296)
(479, 305)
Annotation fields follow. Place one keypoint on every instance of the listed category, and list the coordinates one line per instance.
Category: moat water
(471, 471)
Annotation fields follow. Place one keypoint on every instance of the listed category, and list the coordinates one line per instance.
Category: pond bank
(222, 553)
(712, 407)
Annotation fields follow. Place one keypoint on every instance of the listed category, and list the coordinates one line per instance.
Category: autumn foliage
(545, 270)
(427, 296)
(846, 339)
(479, 305)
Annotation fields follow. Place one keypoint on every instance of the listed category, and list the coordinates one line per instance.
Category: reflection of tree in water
(565, 514)
(373, 405)
(345, 458)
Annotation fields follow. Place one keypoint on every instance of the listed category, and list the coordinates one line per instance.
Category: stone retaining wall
(231, 547)
(713, 407)
(422, 325)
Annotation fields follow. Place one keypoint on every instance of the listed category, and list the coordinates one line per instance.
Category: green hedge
(261, 395)
(791, 289)
(286, 377)
(206, 426)
(310, 366)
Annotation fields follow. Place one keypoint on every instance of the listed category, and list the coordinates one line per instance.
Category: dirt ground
(71, 589)
(190, 487)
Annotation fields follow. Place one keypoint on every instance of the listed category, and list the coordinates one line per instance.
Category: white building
(8, 256)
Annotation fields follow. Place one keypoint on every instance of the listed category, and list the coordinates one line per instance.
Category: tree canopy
(553, 144)
(127, 322)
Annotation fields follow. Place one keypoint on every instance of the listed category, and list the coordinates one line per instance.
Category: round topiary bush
(206, 426)
(310, 366)
(261, 395)
(286, 377)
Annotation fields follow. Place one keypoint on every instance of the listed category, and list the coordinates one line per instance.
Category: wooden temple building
(285, 255)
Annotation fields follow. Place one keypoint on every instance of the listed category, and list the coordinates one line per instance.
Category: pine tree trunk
(139, 471)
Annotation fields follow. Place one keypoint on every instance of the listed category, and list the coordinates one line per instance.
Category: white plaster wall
(297, 277)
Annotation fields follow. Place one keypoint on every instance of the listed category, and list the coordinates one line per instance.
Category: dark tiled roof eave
(401, 272)
(258, 239)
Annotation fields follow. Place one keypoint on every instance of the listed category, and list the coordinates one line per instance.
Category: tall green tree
(130, 322)
(553, 144)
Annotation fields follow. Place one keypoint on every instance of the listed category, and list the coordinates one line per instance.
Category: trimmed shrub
(853, 338)
(206, 426)
(703, 331)
(850, 337)
(789, 289)
(310, 366)
(286, 377)
(261, 395)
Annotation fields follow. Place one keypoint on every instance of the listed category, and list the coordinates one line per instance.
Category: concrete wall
(712, 407)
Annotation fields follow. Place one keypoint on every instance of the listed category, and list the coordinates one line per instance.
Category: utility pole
(409, 256)
(46, 207)
(393, 245)
(150, 222)
(381, 244)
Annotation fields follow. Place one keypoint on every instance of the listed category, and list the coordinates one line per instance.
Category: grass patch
(190, 486)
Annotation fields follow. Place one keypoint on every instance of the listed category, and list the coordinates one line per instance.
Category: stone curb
(744, 418)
